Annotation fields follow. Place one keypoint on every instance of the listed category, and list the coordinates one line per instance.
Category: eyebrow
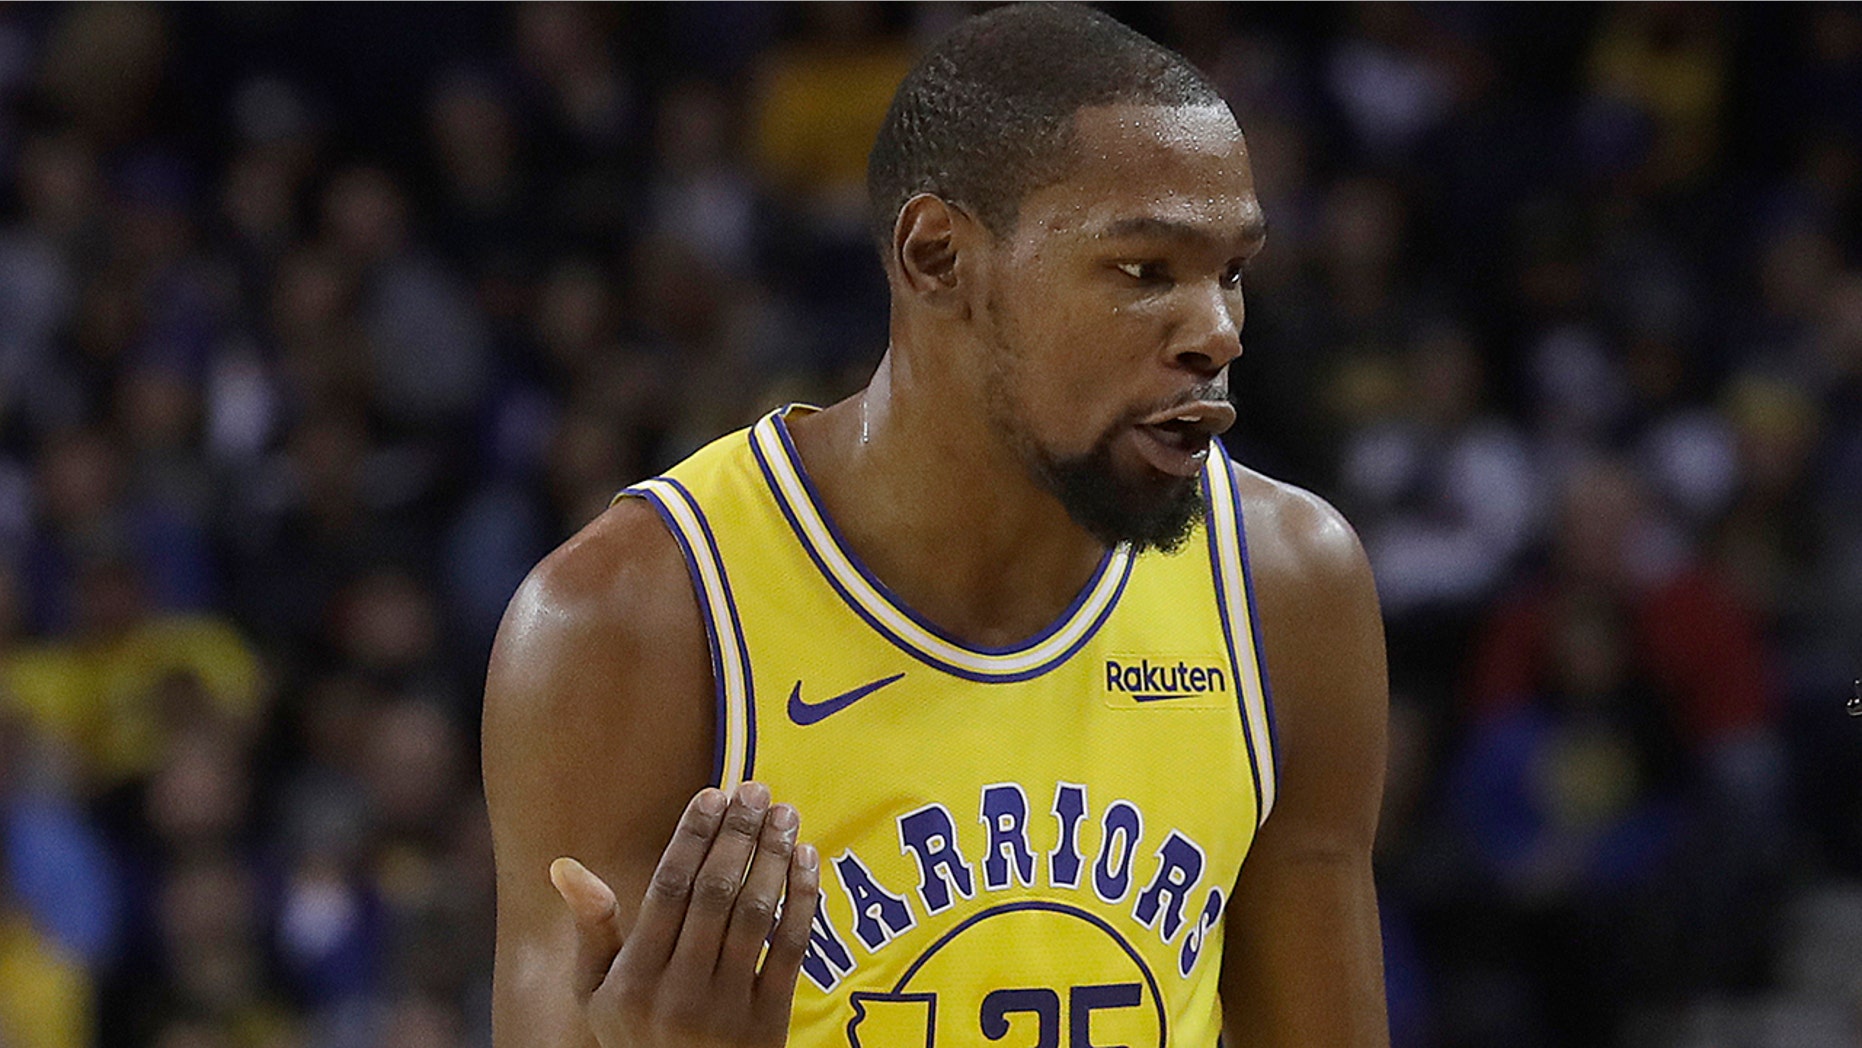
(1252, 231)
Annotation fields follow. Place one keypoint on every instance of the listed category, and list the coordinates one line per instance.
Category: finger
(714, 888)
(775, 987)
(662, 911)
(592, 908)
(755, 911)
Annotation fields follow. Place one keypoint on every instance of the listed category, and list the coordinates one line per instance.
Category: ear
(936, 247)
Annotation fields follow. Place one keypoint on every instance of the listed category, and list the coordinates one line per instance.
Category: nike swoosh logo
(806, 713)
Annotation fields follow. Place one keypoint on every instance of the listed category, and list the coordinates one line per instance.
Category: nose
(1210, 332)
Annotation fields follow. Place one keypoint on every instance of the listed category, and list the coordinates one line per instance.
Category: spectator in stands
(59, 909)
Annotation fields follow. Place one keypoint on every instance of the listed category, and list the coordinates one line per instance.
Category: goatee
(1159, 515)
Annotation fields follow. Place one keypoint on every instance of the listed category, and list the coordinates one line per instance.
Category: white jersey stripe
(852, 581)
(1226, 516)
(734, 722)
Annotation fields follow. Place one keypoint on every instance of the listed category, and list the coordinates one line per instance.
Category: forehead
(1180, 165)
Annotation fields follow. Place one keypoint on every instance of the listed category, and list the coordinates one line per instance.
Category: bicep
(1302, 963)
(597, 730)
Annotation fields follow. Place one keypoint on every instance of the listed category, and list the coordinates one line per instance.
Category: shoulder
(1323, 644)
(601, 654)
(1301, 550)
(619, 584)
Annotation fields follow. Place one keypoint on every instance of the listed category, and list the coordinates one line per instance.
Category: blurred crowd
(320, 325)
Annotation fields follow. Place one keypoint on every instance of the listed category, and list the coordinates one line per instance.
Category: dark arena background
(319, 325)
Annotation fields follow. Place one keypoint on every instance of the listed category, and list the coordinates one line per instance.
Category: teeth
(1189, 418)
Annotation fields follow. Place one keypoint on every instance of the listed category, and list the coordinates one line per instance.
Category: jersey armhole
(734, 755)
(1234, 589)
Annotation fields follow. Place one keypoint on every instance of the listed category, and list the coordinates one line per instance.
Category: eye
(1144, 272)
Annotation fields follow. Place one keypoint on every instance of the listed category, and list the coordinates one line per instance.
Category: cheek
(1073, 403)
(1077, 351)
(1140, 325)
(1108, 351)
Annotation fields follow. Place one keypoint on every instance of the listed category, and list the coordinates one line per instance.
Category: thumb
(592, 905)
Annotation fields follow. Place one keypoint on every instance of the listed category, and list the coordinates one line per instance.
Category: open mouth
(1185, 433)
(1177, 441)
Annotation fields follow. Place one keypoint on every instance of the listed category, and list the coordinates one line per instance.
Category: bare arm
(597, 733)
(1303, 964)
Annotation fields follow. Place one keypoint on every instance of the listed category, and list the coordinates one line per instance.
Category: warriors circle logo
(938, 1003)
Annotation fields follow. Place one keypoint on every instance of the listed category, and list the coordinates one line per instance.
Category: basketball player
(998, 631)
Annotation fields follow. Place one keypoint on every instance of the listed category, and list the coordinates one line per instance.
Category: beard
(1155, 514)
(1148, 512)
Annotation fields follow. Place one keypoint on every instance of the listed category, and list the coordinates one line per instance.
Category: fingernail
(711, 801)
(561, 870)
(754, 795)
(807, 857)
(783, 817)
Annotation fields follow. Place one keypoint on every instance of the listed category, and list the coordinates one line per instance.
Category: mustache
(1215, 389)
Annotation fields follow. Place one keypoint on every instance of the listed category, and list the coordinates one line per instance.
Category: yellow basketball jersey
(1030, 845)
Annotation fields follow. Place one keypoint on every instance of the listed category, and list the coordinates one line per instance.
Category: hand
(687, 975)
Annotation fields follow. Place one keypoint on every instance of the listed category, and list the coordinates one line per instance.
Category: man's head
(1076, 202)
(987, 115)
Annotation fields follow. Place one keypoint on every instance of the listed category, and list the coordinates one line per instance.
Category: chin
(1150, 510)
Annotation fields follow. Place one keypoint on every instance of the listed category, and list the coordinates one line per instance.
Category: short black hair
(986, 116)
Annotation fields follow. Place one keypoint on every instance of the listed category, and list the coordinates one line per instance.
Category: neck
(934, 502)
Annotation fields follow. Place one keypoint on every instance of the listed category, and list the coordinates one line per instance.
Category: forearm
(533, 1000)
